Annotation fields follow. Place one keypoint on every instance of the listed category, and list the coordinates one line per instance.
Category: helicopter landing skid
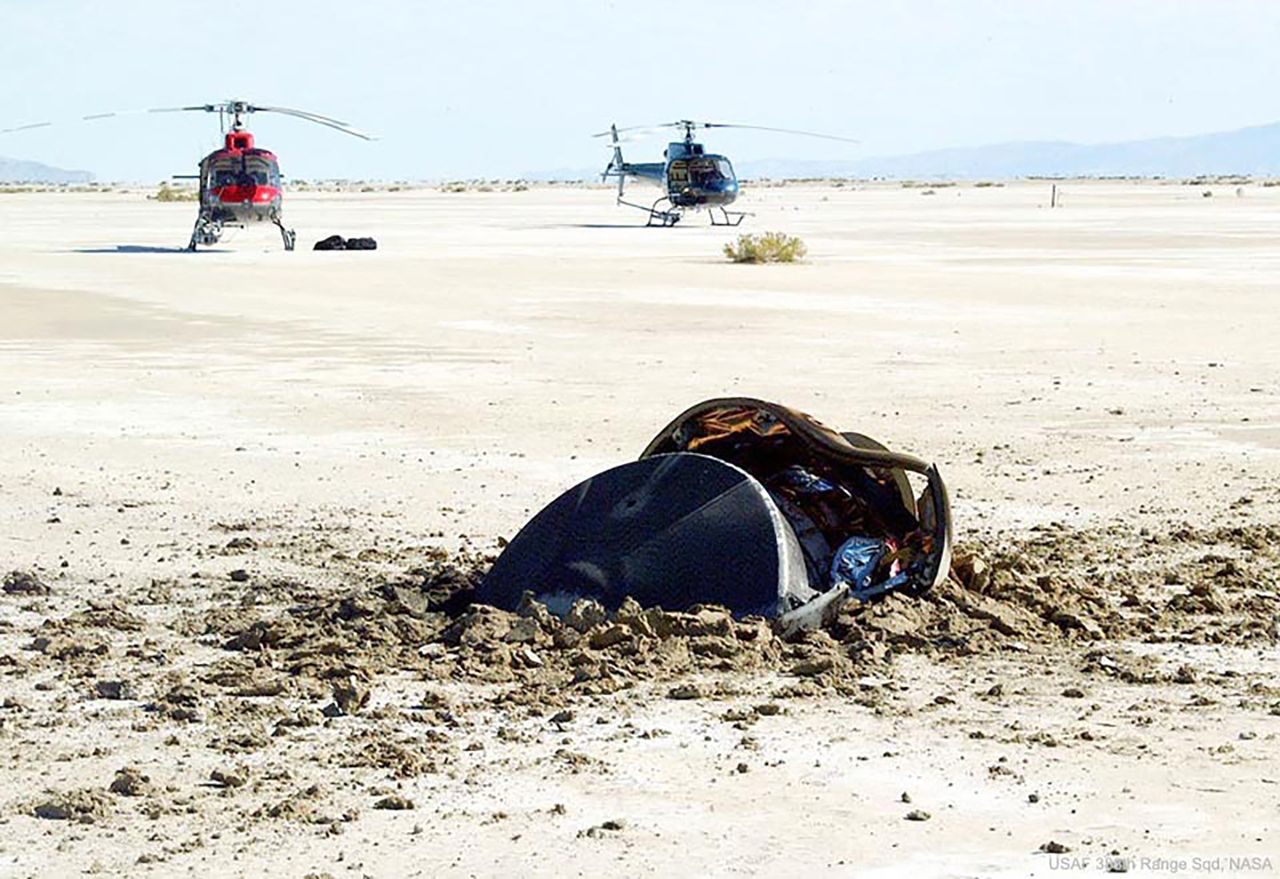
(289, 236)
(659, 217)
(728, 218)
(207, 231)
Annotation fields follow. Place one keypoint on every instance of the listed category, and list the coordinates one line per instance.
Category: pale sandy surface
(1112, 360)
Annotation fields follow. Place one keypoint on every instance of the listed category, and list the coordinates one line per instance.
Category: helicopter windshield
(261, 172)
(711, 173)
(250, 172)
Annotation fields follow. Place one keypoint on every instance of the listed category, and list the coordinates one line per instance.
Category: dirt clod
(82, 806)
(24, 583)
(394, 802)
(131, 782)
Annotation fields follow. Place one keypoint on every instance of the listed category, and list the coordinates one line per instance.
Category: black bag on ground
(333, 242)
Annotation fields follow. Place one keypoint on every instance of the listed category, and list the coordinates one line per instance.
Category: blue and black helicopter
(690, 176)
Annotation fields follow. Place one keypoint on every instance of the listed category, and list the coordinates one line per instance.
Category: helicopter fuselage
(691, 177)
(240, 183)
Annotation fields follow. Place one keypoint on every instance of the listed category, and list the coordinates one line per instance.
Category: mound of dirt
(1055, 587)
(1062, 586)
(85, 806)
(131, 782)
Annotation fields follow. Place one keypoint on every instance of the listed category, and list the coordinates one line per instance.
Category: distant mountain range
(1253, 151)
(20, 171)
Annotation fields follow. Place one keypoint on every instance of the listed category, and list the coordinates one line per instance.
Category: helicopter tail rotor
(616, 166)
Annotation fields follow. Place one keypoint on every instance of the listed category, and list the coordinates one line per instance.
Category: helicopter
(240, 183)
(691, 177)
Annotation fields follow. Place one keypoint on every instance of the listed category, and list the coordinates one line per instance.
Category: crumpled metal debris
(742, 503)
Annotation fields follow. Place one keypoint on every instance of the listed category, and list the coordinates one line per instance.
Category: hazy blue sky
(499, 87)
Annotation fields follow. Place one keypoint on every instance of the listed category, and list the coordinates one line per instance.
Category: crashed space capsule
(741, 503)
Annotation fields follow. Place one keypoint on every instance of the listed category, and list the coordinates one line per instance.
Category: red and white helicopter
(240, 183)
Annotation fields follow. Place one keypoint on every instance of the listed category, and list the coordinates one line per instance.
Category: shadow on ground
(143, 248)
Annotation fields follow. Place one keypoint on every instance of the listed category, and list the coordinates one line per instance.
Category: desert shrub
(174, 193)
(768, 247)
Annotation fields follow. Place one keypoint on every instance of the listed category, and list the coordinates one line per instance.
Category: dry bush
(174, 193)
(768, 247)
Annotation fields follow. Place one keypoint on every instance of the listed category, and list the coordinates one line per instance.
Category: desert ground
(231, 483)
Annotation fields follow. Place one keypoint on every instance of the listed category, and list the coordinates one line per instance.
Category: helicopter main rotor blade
(228, 108)
(335, 124)
(26, 127)
(779, 130)
(635, 128)
(110, 114)
(253, 108)
(621, 140)
(231, 107)
(690, 124)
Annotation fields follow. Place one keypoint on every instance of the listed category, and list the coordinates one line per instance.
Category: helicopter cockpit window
(225, 176)
(707, 172)
(725, 169)
(259, 172)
